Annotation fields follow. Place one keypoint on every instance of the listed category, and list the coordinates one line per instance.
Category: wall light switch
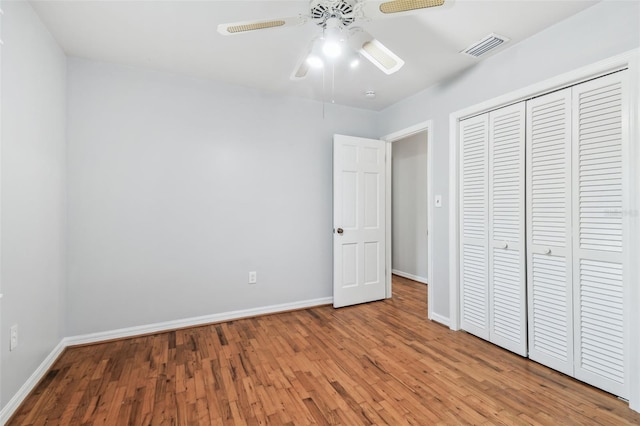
(253, 277)
(438, 201)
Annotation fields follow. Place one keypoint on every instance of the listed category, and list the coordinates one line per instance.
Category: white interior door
(549, 230)
(507, 280)
(358, 220)
(599, 237)
(474, 278)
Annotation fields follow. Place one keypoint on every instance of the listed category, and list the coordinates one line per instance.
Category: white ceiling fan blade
(264, 24)
(377, 53)
(381, 9)
(302, 66)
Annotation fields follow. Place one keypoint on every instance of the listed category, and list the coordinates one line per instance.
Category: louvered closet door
(507, 288)
(599, 302)
(549, 277)
(474, 203)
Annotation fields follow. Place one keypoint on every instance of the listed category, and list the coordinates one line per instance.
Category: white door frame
(630, 60)
(427, 127)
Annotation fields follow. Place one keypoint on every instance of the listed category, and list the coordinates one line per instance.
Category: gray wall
(179, 187)
(409, 205)
(604, 30)
(33, 192)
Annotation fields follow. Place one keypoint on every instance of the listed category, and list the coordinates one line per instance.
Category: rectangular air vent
(483, 46)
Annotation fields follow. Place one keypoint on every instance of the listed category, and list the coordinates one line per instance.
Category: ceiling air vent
(483, 46)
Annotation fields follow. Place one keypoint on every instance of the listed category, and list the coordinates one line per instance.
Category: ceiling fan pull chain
(324, 96)
(333, 83)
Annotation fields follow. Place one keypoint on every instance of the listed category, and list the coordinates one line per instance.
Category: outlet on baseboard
(14, 337)
(253, 277)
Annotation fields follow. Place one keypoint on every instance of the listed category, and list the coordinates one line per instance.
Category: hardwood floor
(377, 363)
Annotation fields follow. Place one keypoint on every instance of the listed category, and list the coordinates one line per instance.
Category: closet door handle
(504, 245)
(547, 251)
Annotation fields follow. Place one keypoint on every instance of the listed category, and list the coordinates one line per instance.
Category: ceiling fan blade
(302, 66)
(380, 9)
(264, 24)
(377, 53)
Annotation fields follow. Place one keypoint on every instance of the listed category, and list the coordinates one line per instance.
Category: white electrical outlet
(14, 337)
(253, 277)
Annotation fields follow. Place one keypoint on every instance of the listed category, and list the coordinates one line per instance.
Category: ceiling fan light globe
(314, 61)
(331, 49)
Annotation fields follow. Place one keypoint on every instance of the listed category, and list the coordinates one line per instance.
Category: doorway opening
(409, 252)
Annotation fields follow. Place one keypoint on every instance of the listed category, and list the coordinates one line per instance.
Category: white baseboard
(191, 322)
(440, 319)
(409, 276)
(13, 404)
(8, 410)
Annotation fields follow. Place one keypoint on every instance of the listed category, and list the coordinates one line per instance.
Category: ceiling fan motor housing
(342, 11)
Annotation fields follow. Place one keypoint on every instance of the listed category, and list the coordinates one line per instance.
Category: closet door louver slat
(549, 269)
(598, 206)
(473, 253)
(507, 295)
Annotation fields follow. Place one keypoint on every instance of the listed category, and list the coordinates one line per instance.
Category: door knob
(340, 231)
(547, 251)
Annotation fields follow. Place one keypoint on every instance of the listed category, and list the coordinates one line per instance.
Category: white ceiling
(181, 36)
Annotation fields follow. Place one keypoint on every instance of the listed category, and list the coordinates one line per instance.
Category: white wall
(179, 187)
(604, 30)
(409, 206)
(33, 193)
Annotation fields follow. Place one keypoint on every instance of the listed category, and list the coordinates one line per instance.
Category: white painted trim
(425, 126)
(440, 319)
(409, 131)
(634, 229)
(388, 247)
(192, 322)
(417, 278)
(630, 60)
(430, 197)
(10, 408)
(454, 225)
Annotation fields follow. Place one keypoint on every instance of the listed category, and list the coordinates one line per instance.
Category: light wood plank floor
(378, 363)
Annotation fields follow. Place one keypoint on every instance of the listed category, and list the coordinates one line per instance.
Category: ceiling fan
(340, 36)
